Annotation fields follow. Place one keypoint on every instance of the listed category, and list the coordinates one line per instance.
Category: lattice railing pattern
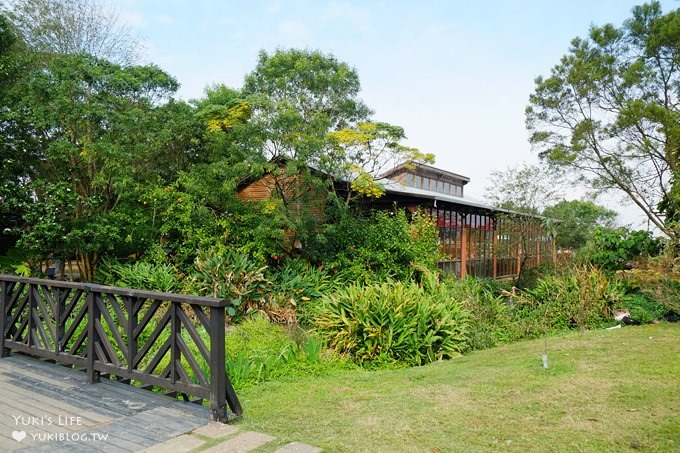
(171, 341)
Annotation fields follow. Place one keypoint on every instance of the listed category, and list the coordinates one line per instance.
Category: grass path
(614, 390)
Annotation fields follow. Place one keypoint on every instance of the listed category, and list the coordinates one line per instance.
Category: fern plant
(392, 323)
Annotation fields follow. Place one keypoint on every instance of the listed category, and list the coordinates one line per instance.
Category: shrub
(295, 284)
(658, 278)
(643, 308)
(392, 323)
(233, 276)
(258, 351)
(491, 321)
(615, 249)
(575, 296)
(161, 277)
(384, 245)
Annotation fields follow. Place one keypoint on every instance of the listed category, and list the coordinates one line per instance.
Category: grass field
(616, 390)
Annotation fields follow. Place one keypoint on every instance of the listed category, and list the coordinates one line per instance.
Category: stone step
(230, 440)
(242, 443)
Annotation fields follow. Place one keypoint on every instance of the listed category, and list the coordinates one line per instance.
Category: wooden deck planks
(109, 416)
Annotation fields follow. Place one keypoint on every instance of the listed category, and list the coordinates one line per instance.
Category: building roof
(406, 167)
(396, 188)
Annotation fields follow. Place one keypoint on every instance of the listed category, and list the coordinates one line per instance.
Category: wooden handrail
(143, 336)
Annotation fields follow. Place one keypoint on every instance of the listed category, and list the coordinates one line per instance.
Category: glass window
(409, 179)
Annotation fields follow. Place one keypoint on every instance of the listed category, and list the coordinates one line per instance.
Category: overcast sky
(456, 75)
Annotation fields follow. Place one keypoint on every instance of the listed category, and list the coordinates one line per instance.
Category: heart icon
(19, 435)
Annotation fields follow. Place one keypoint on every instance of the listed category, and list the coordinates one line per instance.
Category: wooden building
(476, 238)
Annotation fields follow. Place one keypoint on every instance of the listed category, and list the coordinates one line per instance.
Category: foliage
(615, 249)
(643, 308)
(89, 120)
(230, 275)
(392, 323)
(258, 351)
(258, 230)
(358, 156)
(577, 221)
(161, 277)
(491, 315)
(18, 158)
(527, 188)
(384, 245)
(295, 285)
(578, 295)
(657, 279)
(297, 96)
(15, 262)
(608, 111)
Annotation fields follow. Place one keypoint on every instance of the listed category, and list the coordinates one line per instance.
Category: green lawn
(611, 390)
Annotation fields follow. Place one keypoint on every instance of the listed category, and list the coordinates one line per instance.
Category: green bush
(642, 307)
(296, 284)
(233, 276)
(161, 277)
(392, 323)
(258, 351)
(371, 249)
(491, 316)
(657, 278)
(615, 249)
(579, 295)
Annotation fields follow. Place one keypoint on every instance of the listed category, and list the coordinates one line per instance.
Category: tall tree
(92, 122)
(524, 188)
(609, 111)
(296, 97)
(577, 221)
(523, 192)
(357, 157)
(74, 26)
(18, 159)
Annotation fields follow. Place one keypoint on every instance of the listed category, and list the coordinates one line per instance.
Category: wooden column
(463, 252)
(494, 251)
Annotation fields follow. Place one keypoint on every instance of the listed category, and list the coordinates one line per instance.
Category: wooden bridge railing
(171, 341)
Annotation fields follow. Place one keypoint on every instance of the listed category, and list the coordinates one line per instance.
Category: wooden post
(218, 374)
(175, 332)
(93, 340)
(4, 318)
(463, 252)
(494, 251)
(132, 305)
(61, 295)
(221, 390)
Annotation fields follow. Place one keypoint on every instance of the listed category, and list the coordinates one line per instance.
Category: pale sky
(456, 75)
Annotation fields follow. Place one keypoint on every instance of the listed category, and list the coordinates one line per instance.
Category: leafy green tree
(614, 249)
(577, 221)
(297, 97)
(609, 112)
(18, 158)
(90, 119)
(358, 156)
